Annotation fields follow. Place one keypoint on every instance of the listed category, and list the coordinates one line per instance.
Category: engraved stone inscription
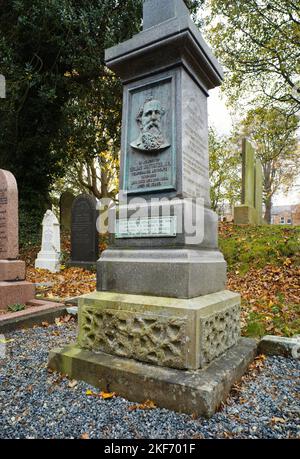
(150, 150)
(195, 167)
(146, 227)
(3, 221)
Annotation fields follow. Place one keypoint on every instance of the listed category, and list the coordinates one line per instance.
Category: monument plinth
(160, 306)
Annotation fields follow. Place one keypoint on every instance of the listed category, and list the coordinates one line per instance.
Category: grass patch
(247, 246)
(16, 307)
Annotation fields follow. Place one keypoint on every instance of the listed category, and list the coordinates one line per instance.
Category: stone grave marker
(49, 256)
(13, 288)
(84, 234)
(65, 205)
(250, 211)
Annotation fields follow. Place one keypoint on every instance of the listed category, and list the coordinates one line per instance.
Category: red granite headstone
(9, 244)
(12, 271)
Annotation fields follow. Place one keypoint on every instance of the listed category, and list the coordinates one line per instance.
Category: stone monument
(84, 234)
(49, 256)
(250, 211)
(161, 307)
(65, 206)
(13, 287)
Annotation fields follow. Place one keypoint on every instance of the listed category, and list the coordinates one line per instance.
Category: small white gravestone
(49, 256)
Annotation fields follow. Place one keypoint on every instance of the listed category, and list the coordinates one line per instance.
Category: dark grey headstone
(84, 234)
(157, 11)
(65, 205)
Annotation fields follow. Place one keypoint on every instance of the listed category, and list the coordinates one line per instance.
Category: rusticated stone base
(194, 392)
(15, 293)
(169, 332)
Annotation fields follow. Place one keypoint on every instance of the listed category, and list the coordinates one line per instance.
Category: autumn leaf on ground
(107, 395)
(58, 322)
(148, 405)
(85, 436)
(276, 420)
(90, 393)
(72, 383)
(103, 395)
(6, 341)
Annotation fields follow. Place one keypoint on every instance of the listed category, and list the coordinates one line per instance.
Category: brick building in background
(286, 215)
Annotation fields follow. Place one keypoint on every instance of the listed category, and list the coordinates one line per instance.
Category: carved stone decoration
(149, 338)
(149, 121)
(185, 334)
(219, 332)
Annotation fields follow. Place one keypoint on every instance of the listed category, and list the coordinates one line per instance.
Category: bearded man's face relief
(149, 121)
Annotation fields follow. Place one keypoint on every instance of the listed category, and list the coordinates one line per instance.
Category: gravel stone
(37, 404)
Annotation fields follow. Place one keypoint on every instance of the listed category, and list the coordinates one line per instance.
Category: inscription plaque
(146, 227)
(150, 155)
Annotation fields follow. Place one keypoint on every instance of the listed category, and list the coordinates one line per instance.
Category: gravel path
(38, 404)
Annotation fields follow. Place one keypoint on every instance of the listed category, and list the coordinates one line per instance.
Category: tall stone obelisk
(160, 306)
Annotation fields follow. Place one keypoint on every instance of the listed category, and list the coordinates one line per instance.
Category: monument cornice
(174, 42)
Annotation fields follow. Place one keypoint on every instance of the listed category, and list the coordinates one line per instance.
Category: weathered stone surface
(84, 233)
(193, 392)
(155, 11)
(181, 273)
(65, 205)
(186, 334)
(259, 190)
(248, 183)
(15, 293)
(12, 270)
(49, 256)
(9, 242)
(278, 345)
(245, 215)
(157, 48)
(250, 211)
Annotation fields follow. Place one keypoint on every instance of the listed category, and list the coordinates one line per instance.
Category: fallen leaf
(148, 405)
(58, 322)
(90, 393)
(107, 395)
(85, 436)
(276, 420)
(72, 383)
(6, 341)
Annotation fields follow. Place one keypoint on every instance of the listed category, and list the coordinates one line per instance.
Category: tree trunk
(268, 203)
